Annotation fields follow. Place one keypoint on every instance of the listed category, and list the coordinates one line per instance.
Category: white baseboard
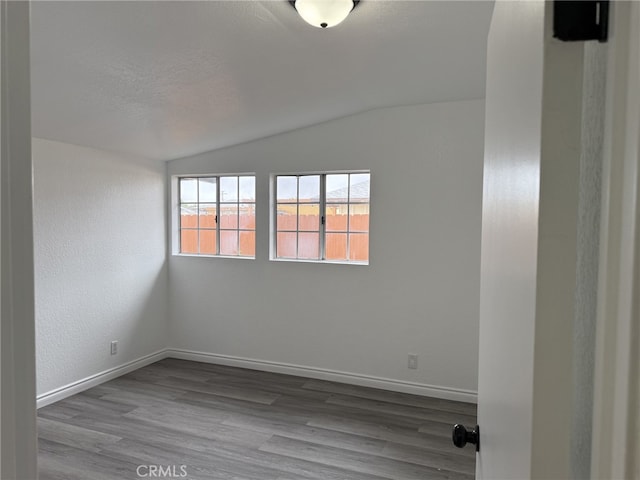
(325, 374)
(263, 365)
(93, 380)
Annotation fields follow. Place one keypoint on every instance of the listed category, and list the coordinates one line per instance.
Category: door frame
(616, 398)
(18, 435)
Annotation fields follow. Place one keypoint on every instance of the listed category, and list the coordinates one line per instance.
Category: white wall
(100, 260)
(420, 293)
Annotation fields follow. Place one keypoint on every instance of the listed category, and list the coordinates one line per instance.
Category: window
(322, 217)
(218, 215)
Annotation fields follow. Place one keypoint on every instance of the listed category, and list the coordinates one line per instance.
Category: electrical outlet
(114, 347)
(413, 361)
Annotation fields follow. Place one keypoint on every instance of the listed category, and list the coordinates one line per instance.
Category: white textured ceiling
(169, 79)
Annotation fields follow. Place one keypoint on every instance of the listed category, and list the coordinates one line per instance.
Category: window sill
(190, 255)
(330, 262)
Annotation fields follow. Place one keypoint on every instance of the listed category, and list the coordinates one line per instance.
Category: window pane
(228, 242)
(286, 245)
(359, 217)
(345, 233)
(287, 217)
(189, 216)
(228, 216)
(309, 245)
(188, 241)
(337, 190)
(309, 188)
(287, 189)
(201, 219)
(188, 190)
(228, 189)
(309, 217)
(359, 246)
(248, 244)
(336, 246)
(247, 189)
(208, 242)
(247, 215)
(336, 217)
(207, 189)
(359, 191)
(207, 215)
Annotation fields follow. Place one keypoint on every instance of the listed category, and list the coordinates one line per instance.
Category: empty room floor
(199, 421)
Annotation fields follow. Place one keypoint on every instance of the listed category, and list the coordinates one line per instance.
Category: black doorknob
(461, 436)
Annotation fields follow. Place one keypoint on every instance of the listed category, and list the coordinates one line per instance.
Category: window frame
(178, 203)
(322, 231)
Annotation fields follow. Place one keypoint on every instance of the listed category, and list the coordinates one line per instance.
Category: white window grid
(218, 202)
(322, 227)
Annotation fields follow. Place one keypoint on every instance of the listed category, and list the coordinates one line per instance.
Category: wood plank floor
(230, 423)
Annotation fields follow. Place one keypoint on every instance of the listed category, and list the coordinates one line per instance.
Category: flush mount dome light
(324, 13)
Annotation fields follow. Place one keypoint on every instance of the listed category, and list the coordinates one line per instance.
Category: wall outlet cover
(413, 361)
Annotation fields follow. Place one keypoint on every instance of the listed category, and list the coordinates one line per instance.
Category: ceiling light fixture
(324, 13)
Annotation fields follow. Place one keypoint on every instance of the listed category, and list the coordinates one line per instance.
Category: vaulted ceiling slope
(170, 79)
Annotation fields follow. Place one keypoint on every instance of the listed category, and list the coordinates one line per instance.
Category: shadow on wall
(148, 317)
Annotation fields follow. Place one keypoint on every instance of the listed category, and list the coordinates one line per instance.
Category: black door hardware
(581, 20)
(461, 436)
